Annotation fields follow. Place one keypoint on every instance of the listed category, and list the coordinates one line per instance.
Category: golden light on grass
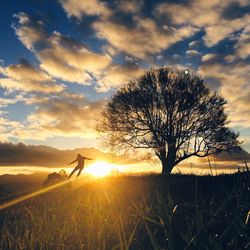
(31, 195)
(102, 168)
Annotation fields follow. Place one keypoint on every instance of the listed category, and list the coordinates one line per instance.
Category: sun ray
(33, 194)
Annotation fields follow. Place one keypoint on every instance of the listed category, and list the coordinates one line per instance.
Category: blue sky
(61, 60)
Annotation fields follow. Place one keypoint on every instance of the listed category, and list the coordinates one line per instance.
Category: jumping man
(80, 164)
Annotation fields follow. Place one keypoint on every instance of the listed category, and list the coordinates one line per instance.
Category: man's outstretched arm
(86, 158)
(72, 162)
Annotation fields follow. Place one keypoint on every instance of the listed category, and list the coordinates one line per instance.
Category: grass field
(134, 212)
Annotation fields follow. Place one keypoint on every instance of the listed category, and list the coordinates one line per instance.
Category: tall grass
(145, 212)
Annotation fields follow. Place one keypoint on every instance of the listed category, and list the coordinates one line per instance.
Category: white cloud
(193, 52)
(194, 44)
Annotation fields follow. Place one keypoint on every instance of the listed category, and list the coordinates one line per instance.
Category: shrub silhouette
(54, 178)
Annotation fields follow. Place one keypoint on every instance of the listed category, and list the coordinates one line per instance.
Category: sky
(60, 61)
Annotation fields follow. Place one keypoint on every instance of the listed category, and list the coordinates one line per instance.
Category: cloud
(234, 86)
(71, 61)
(209, 57)
(25, 77)
(194, 44)
(193, 52)
(66, 59)
(60, 56)
(243, 44)
(240, 155)
(79, 9)
(209, 16)
(30, 31)
(6, 128)
(117, 75)
(65, 114)
(144, 39)
(6, 101)
(243, 50)
(130, 6)
(217, 33)
(29, 155)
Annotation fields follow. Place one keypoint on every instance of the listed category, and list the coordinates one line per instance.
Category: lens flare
(101, 169)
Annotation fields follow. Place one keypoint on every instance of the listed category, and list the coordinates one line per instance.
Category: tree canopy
(172, 112)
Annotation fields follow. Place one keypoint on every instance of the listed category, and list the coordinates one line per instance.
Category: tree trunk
(164, 165)
(168, 160)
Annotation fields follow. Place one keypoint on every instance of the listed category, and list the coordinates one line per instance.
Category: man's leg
(73, 171)
(79, 172)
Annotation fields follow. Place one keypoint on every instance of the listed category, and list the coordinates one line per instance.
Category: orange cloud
(209, 57)
(67, 59)
(130, 6)
(80, 8)
(6, 128)
(145, 39)
(27, 78)
(62, 115)
(243, 44)
(60, 56)
(209, 15)
(117, 75)
(30, 32)
(71, 61)
(234, 80)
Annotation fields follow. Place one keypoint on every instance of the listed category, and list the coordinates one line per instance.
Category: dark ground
(134, 212)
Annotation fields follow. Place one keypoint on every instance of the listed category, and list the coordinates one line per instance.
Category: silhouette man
(80, 164)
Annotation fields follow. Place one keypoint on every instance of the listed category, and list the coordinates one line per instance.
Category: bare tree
(171, 112)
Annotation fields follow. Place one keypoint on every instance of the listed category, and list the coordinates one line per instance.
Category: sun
(102, 168)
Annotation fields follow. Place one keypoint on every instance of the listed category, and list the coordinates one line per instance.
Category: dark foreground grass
(134, 213)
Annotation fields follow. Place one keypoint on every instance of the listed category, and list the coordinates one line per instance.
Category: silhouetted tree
(172, 112)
